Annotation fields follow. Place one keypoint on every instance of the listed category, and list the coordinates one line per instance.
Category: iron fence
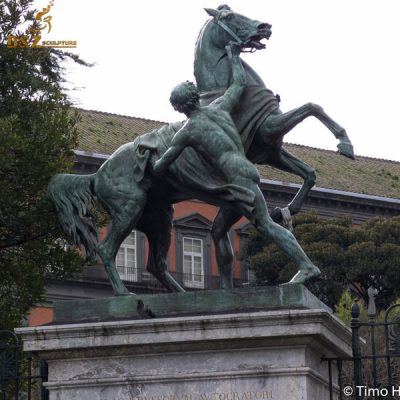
(21, 376)
(373, 371)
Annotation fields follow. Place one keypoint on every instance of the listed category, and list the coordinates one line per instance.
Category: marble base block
(243, 356)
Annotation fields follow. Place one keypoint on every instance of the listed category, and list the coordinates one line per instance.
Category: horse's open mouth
(254, 41)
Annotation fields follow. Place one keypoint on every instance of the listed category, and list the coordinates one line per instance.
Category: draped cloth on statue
(190, 173)
(256, 103)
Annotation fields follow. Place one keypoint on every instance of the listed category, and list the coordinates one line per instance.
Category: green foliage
(343, 308)
(37, 134)
(347, 256)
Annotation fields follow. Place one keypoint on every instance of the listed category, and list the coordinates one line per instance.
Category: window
(193, 252)
(193, 273)
(126, 259)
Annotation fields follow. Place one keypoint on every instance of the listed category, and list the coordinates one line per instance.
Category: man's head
(184, 97)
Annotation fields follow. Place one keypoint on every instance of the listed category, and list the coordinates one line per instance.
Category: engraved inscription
(249, 395)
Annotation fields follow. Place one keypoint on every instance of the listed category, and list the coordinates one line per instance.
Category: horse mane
(198, 40)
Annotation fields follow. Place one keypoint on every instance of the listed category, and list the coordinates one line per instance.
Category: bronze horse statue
(135, 198)
(259, 120)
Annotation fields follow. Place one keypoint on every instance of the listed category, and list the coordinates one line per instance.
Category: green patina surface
(191, 303)
(112, 308)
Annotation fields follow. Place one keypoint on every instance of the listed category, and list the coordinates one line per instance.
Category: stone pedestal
(239, 356)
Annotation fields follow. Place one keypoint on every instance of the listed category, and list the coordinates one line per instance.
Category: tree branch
(21, 241)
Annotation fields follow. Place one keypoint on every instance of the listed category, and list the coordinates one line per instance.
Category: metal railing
(373, 371)
(188, 281)
(21, 377)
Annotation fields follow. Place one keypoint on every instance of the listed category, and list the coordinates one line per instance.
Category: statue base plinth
(204, 302)
(240, 356)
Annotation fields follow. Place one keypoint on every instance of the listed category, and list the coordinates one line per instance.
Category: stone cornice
(332, 194)
(270, 325)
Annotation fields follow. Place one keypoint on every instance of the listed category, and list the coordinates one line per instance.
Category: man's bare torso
(213, 134)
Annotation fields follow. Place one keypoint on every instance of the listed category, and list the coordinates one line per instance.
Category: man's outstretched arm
(238, 83)
(178, 144)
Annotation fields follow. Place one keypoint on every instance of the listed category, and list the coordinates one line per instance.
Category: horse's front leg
(282, 123)
(286, 161)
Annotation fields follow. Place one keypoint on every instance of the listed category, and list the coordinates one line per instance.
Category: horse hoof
(276, 215)
(287, 221)
(346, 149)
(282, 216)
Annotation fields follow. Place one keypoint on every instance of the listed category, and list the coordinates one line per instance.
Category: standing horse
(259, 120)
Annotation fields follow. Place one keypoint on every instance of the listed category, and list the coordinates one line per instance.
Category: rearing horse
(260, 121)
(135, 198)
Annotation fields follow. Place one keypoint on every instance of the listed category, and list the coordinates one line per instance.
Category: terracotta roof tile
(102, 132)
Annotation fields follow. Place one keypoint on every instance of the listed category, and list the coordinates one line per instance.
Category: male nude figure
(212, 133)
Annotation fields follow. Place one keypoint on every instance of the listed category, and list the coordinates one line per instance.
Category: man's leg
(284, 239)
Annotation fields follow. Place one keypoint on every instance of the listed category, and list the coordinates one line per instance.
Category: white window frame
(189, 276)
(125, 270)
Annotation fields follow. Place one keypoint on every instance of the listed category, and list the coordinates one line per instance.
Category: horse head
(211, 67)
(233, 26)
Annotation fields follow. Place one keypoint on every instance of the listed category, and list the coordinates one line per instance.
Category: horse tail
(71, 197)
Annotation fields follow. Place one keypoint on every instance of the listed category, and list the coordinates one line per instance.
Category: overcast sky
(341, 54)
